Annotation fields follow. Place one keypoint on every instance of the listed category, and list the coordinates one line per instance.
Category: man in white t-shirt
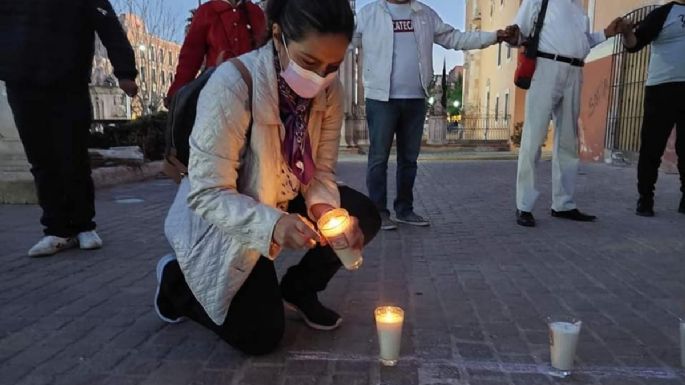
(397, 38)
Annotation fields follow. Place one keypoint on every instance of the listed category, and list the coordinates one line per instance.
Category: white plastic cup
(563, 341)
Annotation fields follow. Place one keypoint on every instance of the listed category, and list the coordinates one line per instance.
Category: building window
(161, 55)
(170, 60)
(499, 55)
(506, 106)
(142, 73)
(154, 76)
(497, 108)
(508, 51)
(492, 8)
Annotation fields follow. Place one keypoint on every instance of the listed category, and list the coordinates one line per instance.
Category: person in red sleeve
(220, 30)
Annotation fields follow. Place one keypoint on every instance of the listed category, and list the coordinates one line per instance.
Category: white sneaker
(89, 240)
(50, 245)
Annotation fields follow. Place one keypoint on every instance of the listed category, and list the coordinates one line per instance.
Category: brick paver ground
(476, 289)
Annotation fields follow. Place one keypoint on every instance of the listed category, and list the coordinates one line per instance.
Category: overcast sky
(451, 11)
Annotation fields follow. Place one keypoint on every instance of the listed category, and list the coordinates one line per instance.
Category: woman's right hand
(294, 233)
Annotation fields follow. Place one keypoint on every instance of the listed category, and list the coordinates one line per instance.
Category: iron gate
(627, 93)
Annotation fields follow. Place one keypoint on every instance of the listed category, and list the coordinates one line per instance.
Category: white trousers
(553, 94)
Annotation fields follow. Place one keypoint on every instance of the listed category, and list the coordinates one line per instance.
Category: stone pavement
(476, 289)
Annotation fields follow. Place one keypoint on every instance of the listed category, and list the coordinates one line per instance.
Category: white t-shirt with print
(405, 80)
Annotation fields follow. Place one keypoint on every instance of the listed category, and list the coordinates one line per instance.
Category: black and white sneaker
(412, 219)
(314, 314)
(164, 309)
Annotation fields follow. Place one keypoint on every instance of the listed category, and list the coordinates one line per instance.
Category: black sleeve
(649, 28)
(114, 39)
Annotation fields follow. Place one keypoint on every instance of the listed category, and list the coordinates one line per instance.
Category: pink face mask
(305, 83)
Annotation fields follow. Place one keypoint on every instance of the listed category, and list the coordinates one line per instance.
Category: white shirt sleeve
(594, 38)
(452, 38)
(526, 16)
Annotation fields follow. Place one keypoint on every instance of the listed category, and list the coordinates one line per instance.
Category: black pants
(664, 108)
(255, 321)
(53, 125)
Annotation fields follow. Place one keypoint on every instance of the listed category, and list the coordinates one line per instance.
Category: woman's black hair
(297, 18)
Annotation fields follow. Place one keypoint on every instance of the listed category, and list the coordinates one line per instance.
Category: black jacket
(650, 28)
(51, 42)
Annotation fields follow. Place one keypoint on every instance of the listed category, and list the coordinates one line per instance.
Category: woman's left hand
(356, 236)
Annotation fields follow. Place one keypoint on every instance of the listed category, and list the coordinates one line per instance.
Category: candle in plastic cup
(335, 226)
(563, 342)
(682, 342)
(389, 320)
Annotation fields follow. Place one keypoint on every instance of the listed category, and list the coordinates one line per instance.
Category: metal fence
(626, 97)
(485, 127)
(472, 128)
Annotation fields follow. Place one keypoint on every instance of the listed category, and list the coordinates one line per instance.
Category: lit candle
(563, 341)
(336, 227)
(389, 320)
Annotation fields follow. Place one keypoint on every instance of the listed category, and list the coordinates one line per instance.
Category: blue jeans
(403, 118)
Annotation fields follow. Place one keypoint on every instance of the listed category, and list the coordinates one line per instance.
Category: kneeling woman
(255, 172)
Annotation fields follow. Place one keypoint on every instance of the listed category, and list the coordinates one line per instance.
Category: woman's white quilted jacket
(218, 233)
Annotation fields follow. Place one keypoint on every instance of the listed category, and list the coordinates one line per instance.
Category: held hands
(129, 87)
(626, 27)
(509, 35)
(619, 25)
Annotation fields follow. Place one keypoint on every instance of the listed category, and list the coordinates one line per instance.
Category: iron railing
(626, 96)
(486, 127)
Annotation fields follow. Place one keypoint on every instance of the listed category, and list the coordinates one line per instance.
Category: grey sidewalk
(475, 288)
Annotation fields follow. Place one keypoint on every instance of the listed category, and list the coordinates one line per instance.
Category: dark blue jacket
(650, 28)
(51, 42)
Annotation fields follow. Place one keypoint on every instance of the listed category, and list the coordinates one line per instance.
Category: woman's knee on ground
(258, 341)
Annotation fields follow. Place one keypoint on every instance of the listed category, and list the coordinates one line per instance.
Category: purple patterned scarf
(294, 111)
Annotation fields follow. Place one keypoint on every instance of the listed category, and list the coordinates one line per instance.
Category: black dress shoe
(313, 313)
(525, 218)
(645, 207)
(574, 215)
(681, 209)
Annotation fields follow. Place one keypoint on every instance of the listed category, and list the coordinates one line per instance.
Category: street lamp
(456, 104)
(431, 100)
(142, 47)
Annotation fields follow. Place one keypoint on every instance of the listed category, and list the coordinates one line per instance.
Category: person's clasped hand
(129, 87)
(510, 35)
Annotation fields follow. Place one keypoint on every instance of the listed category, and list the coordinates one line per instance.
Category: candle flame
(334, 222)
(389, 314)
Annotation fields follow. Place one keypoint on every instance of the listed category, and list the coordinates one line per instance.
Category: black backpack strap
(173, 166)
(532, 47)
